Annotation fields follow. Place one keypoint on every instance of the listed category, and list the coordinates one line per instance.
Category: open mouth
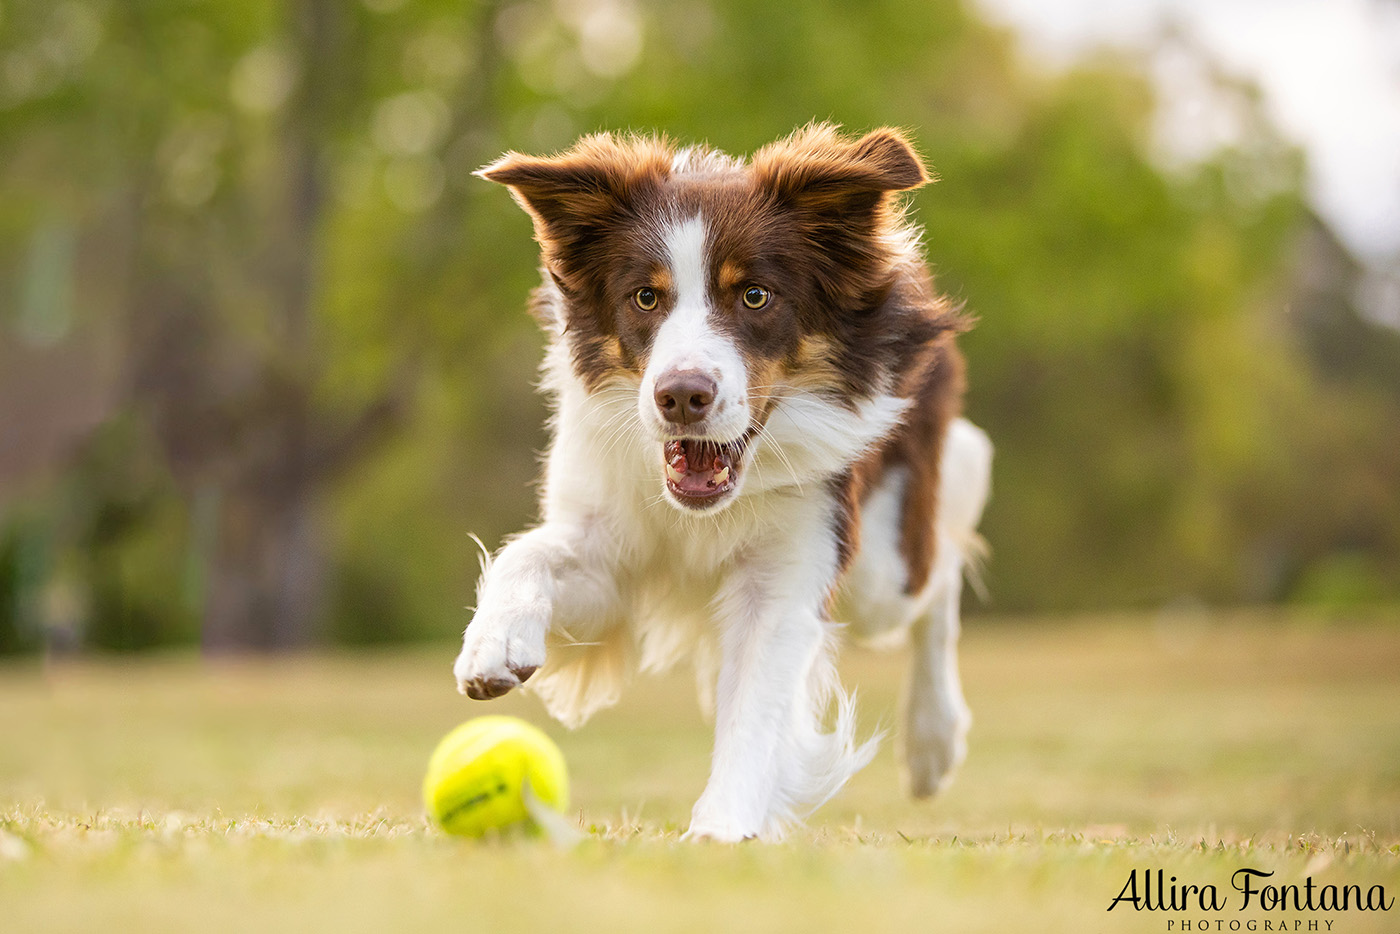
(699, 472)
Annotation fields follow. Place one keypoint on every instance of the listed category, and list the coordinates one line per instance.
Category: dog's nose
(684, 396)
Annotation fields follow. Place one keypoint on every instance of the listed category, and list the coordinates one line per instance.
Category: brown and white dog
(755, 436)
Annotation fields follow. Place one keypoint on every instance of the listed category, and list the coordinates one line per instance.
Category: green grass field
(171, 794)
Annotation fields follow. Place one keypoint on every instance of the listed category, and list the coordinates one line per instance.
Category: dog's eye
(646, 299)
(755, 296)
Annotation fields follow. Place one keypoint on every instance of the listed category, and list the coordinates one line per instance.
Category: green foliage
(276, 225)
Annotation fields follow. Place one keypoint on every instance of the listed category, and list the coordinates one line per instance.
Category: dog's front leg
(770, 754)
(556, 564)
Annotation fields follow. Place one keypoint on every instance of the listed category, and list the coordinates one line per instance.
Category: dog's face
(715, 287)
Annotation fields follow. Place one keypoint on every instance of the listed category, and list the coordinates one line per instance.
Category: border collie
(756, 434)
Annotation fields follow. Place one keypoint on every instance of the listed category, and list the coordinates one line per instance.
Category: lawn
(172, 794)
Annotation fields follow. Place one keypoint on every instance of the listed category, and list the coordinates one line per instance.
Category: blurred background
(264, 359)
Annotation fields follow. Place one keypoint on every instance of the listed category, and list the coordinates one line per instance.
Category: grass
(172, 794)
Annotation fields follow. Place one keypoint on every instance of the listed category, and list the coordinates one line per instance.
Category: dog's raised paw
(488, 687)
(490, 665)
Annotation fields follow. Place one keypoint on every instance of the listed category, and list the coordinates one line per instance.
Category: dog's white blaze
(687, 340)
(685, 250)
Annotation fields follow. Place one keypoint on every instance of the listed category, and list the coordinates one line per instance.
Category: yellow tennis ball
(477, 775)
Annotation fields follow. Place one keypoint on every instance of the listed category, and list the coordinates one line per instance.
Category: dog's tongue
(696, 466)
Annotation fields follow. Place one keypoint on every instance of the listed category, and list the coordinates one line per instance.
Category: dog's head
(719, 288)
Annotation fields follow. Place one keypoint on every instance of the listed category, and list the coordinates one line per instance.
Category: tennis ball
(478, 775)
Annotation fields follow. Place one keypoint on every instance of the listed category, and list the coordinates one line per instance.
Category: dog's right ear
(574, 196)
(556, 191)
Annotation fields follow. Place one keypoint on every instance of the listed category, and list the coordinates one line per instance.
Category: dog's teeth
(721, 475)
(675, 475)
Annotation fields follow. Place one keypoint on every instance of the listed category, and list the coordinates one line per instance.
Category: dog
(756, 442)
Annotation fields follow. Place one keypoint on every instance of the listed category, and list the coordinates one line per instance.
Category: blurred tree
(211, 140)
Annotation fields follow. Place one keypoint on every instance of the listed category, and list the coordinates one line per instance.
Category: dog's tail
(965, 485)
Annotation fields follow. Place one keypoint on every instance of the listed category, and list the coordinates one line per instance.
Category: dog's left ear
(842, 194)
(817, 168)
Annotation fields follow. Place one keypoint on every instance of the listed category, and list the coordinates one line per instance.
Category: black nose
(684, 396)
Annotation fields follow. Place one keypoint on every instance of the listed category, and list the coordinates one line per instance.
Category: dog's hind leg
(933, 742)
(936, 718)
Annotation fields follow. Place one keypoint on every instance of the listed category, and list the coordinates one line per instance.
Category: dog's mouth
(700, 472)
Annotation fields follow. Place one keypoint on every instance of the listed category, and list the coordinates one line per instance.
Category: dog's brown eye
(646, 299)
(755, 296)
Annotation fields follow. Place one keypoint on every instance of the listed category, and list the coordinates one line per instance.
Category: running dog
(756, 442)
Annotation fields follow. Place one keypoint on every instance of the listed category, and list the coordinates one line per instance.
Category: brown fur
(917, 446)
(815, 219)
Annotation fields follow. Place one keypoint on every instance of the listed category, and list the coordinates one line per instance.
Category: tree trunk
(268, 578)
(267, 575)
